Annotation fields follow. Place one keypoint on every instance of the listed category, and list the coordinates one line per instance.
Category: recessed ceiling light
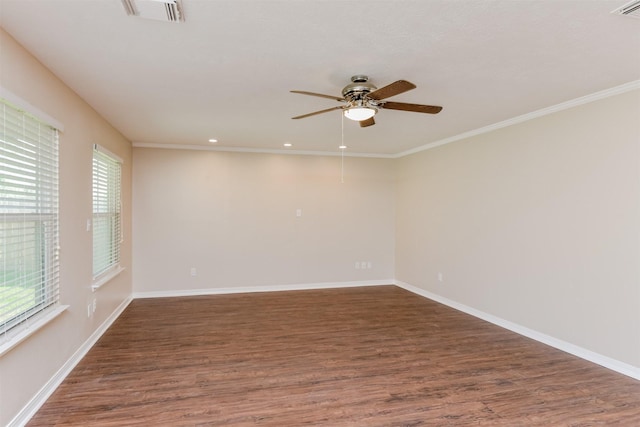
(212, 140)
(288, 144)
(342, 147)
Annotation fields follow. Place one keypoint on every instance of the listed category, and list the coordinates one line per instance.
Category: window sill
(102, 280)
(31, 326)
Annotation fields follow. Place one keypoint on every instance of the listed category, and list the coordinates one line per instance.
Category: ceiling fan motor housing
(358, 88)
(359, 107)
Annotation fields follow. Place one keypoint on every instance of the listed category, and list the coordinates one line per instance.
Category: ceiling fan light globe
(359, 113)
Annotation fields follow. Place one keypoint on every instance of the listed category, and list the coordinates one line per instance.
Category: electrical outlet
(369, 265)
(440, 277)
(194, 272)
(94, 305)
(89, 311)
(357, 265)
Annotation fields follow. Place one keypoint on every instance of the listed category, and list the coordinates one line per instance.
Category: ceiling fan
(362, 100)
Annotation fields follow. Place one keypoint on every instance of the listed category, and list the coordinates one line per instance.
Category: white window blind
(29, 265)
(107, 228)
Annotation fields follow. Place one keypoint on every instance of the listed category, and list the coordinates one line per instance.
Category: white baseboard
(47, 390)
(268, 288)
(591, 356)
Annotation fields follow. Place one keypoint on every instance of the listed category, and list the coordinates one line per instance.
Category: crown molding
(256, 150)
(617, 90)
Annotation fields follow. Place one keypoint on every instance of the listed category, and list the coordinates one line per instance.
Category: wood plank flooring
(370, 356)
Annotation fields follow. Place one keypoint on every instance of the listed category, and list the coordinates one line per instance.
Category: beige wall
(27, 367)
(537, 224)
(232, 216)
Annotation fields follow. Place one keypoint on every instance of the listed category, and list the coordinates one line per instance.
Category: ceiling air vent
(159, 10)
(631, 9)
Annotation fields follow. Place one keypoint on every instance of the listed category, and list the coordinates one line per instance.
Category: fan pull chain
(342, 171)
(342, 150)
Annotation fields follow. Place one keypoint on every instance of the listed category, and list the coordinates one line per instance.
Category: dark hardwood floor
(371, 356)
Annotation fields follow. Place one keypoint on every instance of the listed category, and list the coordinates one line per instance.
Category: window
(29, 265)
(107, 229)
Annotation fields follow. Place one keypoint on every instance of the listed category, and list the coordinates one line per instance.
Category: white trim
(99, 148)
(266, 288)
(30, 109)
(39, 321)
(633, 85)
(583, 353)
(102, 280)
(257, 150)
(526, 117)
(30, 409)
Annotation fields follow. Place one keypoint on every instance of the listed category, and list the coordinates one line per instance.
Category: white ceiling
(226, 72)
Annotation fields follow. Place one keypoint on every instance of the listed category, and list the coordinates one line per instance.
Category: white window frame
(29, 216)
(107, 215)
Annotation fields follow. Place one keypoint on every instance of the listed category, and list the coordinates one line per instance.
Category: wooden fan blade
(429, 109)
(318, 112)
(337, 98)
(393, 89)
(368, 122)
